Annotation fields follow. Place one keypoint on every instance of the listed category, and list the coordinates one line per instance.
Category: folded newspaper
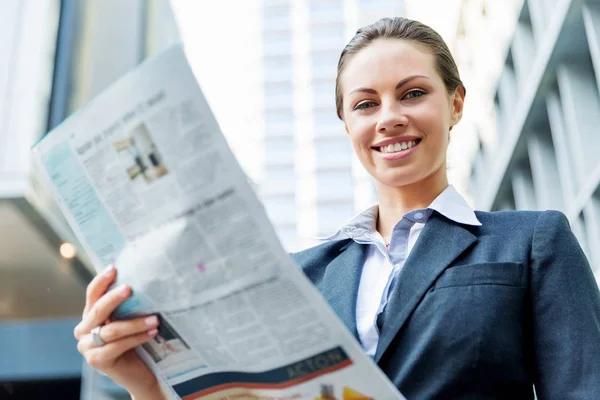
(147, 182)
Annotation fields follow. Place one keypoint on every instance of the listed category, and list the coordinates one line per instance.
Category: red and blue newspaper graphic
(220, 384)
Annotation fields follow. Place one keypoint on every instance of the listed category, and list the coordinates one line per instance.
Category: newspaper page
(148, 183)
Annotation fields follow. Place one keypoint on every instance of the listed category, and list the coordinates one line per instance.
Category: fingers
(102, 309)
(102, 358)
(121, 329)
(98, 286)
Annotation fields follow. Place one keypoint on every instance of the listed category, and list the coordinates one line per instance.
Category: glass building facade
(544, 154)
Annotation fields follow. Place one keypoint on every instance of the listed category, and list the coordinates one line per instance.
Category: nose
(391, 118)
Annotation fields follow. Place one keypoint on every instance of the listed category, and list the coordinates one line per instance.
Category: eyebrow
(399, 85)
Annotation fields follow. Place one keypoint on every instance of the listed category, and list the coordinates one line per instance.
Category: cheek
(432, 117)
(361, 134)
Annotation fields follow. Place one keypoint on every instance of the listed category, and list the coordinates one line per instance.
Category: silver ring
(96, 336)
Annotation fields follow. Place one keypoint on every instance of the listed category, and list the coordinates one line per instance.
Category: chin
(397, 178)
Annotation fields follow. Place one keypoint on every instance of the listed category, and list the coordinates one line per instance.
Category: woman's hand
(117, 357)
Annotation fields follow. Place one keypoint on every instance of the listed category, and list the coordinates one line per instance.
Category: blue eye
(413, 94)
(364, 105)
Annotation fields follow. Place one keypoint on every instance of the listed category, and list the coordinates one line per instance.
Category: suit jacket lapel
(339, 285)
(440, 242)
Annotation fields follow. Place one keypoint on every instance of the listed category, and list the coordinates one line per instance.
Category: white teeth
(396, 147)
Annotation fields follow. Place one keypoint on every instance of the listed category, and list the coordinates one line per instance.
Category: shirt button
(418, 215)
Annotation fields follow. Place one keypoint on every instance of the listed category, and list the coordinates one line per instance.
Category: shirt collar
(453, 206)
(449, 203)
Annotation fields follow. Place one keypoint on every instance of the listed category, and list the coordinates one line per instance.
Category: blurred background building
(57, 55)
(311, 183)
(541, 149)
(527, 140)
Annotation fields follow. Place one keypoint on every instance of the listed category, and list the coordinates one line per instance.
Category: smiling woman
(391, 74)
(451, 303)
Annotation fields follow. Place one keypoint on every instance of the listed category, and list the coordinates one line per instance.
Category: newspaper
(148, 182)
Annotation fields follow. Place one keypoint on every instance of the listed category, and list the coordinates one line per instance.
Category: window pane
(317, 7)
(288, 237)
(324, 65)
(278, 68)
(281, 209)
(332, 216)
(325, 118)
(279, 150)
(278, 63)
(279, 117)
(329, 33)
(278, 89)
(277, 42)
(279, 145)
(276, 13)
(335, 185)
(324, 90)
(284, 173)
(335, 152)
(324, 60)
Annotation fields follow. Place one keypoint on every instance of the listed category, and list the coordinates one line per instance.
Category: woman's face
(397, 111)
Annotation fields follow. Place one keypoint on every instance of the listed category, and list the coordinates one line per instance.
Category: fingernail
(109, 270)
(151, 321)
(153, 332)
(123, 289)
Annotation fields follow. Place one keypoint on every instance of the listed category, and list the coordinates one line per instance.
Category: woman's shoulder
(313, 261)
(514, 219)
(546, 230)
(328, 249)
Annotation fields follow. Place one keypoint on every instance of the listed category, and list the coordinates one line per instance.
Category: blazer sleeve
(565, 314)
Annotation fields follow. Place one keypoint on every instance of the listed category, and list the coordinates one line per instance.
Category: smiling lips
(396, 149)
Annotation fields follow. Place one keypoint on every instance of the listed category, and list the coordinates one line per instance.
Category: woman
(450, 303)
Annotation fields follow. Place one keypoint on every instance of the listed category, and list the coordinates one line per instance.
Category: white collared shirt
(382, 265)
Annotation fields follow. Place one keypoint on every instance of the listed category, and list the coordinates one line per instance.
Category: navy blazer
(480, 312)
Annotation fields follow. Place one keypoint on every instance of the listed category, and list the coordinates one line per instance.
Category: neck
(395, 202)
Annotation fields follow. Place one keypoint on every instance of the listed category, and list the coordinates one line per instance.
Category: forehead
(387, 59)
